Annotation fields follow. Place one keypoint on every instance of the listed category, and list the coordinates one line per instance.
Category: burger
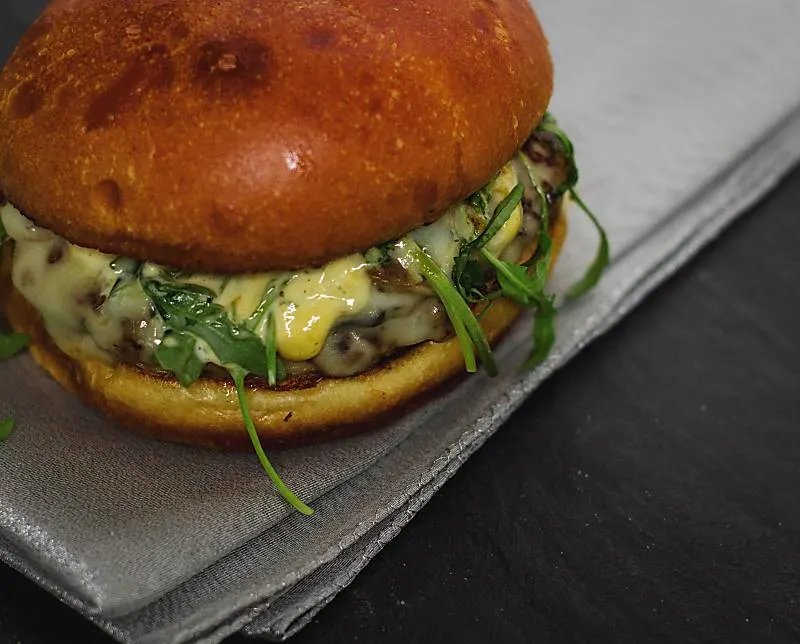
(271, 222)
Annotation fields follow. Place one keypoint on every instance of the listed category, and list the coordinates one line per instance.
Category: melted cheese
(68, 292)
(314, 300)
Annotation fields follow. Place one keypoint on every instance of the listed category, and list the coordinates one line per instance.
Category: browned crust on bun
(207, 413)
(245, 136)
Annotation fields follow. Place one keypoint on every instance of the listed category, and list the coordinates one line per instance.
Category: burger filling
(336, 320)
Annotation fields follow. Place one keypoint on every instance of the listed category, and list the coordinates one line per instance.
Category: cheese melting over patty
(337, 320)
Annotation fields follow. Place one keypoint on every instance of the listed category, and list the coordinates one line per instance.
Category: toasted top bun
(246, 136)
(207, 413)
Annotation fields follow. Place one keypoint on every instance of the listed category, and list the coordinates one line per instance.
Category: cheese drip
(314, 300)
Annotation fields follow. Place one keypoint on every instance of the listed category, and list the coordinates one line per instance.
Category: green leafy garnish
(190, 309)
(6, 428)
(501, 215)
(12, 343)
(598, 265)
(527, 289)
(515, 281)
(603, 256)
(275, 368)
(238, 375)
(177, 354)
(3, 233)
(544, 333)
(468, 330)
(524, 284)
(191, 315)
(269, 298)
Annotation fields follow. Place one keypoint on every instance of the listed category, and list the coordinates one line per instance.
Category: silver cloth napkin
(683, 114)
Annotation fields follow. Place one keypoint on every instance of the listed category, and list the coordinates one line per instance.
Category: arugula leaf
(6, 428)
(515, 281)
(451, 307)
(528, 290)
(544, 334)
(525, 284)
(501, 215)
(238, 374)
(603, 255)
(269, 298)
(601, 260)
(189, 308)
(176, 354)
(275, 369)
(12, 343)
(468, 330)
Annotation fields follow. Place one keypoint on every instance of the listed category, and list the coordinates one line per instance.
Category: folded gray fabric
(682, 118)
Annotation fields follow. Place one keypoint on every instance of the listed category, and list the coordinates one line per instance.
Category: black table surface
(647, 492)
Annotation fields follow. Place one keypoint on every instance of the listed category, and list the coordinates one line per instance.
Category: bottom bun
(207, 413)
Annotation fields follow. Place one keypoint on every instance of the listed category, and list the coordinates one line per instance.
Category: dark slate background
(647, 492)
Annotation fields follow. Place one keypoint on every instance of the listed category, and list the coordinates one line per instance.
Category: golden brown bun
(207, 413)
(246, 136)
